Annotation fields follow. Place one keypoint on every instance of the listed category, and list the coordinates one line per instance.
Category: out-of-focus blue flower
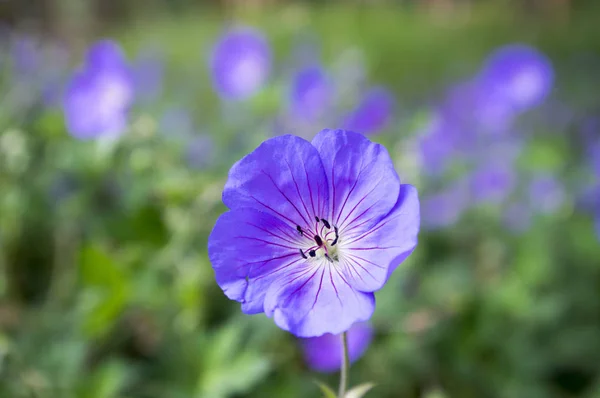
(444, 208)
(373, 113)
(98, 97)
(241, 63)
(492, 182)
(324, 353)
(311, 94)
(313, 230)
(517, 217)
(546, 193)
(436, 143)
(475, 111)
(148, 70)
(518, 74)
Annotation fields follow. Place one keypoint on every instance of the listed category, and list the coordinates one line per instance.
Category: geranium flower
(324, 353)
(373, 113)
(240, 63)
(314, 228)
(98, 97)
(519, 74)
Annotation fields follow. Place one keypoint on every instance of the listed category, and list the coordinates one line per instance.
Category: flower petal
(248, 249)
(363, 183)
(368, 256)
(284, 177)
(324, 353)
(316, 299)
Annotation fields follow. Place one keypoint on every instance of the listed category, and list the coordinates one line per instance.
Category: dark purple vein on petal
(337, 294)
(319, 289)
(361, 266)
(348, 196)
(354, 256)
(290, 296)
(284, 195)
(277, 269)
(264, 241)
(283, 238)
(292, 222)
(312, 202)
(298, 190)
(358, 204)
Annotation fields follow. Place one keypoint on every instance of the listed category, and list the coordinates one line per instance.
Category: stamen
(318, 240)
(317, 218)
(302, 254)
(299, 229)
(312, 253)
(336, 236)
(328, 258)
(326, 223)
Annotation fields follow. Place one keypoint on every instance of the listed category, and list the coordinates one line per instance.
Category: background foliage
(105, 286)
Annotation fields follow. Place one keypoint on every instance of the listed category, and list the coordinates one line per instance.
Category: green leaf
(359, 391)
(106, 288)
(327, 392)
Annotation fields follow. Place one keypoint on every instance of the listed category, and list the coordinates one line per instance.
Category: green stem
(345, 366)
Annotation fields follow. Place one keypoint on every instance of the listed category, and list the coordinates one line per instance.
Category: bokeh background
(105, 285)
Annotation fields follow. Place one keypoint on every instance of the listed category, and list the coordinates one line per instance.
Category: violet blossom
(98, 97)
(313, 230)
(324, 353)
(240, 63)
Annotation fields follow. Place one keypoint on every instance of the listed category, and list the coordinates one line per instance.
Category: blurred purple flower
(148, 70)
(518, 74)
(442, 209)
(240, 64)
(517, 217)
(374, 112)
(313, 230)
(474, 111)
(492, 182)
(436, 143)
(98, 97)
(546, 193)
(324, 353)
(311, 93)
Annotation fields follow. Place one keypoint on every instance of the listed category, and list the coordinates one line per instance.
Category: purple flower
(546, 194)
(519, 74)
(98, 97)
(311, 93)
(324, 353)
(373, 113)
(312, 231)
(444, 208)
(240, 63)
(492, 183)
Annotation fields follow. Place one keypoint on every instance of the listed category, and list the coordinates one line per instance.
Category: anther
(318, 240)
(299, 229)
(302, 254)
(312, 253)
(327, 225)
(317, 218)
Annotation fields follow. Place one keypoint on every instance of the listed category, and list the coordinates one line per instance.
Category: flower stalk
(345, 366)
